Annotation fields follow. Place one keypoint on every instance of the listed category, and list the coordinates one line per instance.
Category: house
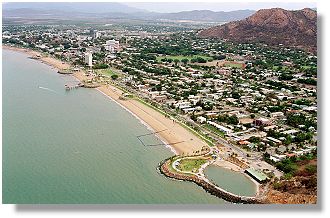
(274, 140)
(276, 114)
(290, 132)
(245, 121)
(211, 114)
(201, 119)
(267, 128)
(188, 110)
(243, 142)
(262, 122)
(219, 127)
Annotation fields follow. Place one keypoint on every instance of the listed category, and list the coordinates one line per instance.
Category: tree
(114, 76)
(185, 61)
(100, 66)
(235, 95)
(67, 46)
(233, 120)
(254, 139)
(288, 140)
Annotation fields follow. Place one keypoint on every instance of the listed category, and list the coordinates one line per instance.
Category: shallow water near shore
(78, 146)
(231, 181)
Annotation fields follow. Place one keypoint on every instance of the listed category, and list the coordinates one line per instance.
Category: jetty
(64, 72)
(36, 57)
(70, 87)
(91, 85)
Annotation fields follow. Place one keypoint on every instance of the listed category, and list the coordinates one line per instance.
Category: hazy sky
(217, 6)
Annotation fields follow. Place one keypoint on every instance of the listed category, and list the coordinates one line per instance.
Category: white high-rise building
(94, 33)
(112, 46)
(89, 59)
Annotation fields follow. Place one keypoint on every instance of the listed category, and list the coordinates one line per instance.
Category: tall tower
(89, 59)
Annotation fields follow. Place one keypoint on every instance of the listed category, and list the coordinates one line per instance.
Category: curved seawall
(207, 185)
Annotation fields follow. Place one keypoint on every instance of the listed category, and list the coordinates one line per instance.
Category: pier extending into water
(66, 72)
(70, 87)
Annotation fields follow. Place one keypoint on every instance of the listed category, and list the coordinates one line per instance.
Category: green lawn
(233, 65)
(191, 165)
(180, 57)
(306, 67)
(107, 72)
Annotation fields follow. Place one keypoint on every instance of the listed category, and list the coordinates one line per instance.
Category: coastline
(59, 65)
(144, 123)
(173, 134)
(175, 137)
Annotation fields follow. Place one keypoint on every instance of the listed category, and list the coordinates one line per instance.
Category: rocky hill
(272, 26)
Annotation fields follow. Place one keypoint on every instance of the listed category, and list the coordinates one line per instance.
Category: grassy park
(181, 57)
(191, 165)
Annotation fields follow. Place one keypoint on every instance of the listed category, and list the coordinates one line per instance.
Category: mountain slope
(272, 26)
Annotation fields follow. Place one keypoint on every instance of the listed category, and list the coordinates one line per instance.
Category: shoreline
(173, 134)
(175, 137)
(50, 61)
(141, 121)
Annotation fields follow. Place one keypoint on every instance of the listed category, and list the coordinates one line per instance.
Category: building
(201, 119)
(94, 34)
(274, 140)
(256, 175)
(112, 46)
(219, 127)
(262, 122)
(89, 59)
(277, 115)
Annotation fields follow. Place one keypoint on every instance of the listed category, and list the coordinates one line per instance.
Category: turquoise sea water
(229, 180)
(78, 146)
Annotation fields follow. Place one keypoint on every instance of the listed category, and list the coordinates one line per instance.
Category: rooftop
(256, 174)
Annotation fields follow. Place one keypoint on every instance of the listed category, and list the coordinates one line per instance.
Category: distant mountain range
(110, 10)
(81, 7)
(272, 26)
(206, 15)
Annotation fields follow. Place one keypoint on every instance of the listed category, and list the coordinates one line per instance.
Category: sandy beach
(43, 58)
(181, 140)
(172, 133)
(227, 165)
